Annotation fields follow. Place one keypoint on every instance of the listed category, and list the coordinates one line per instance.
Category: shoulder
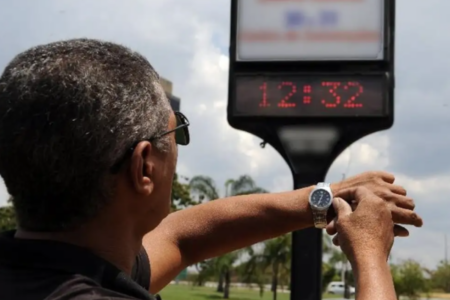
(79, 287)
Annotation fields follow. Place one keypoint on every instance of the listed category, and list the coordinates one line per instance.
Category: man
(88, 150)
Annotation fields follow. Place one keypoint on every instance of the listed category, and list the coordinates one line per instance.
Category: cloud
(187, 42)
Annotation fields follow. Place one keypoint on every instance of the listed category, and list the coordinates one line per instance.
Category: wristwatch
(320, 200)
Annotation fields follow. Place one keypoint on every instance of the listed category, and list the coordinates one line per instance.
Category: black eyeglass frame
(184, 124)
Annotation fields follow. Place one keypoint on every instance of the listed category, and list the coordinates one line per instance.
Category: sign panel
(311, 96)
(296, 30)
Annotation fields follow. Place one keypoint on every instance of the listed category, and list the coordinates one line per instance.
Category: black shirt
(48, 270)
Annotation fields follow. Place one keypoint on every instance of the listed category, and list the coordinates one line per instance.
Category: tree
(274, 257)
(205, 271)
(252, 272)
(224, 265)
(7, 217)
(440, 277)
(205, 189)
(277, 255)
(328, 273)
(409, 279)
(181, 194)
(338, 257)
(328, 269)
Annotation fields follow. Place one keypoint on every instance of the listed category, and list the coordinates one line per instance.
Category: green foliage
(204, 188)
(181, 194)
(440, 278)
(244, 185)
(409, 279)
(328, 274)
(7, 217)
(271, 263)
(205, 272)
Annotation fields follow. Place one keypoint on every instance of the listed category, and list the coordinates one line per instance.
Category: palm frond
(243, 183)
(204, 187)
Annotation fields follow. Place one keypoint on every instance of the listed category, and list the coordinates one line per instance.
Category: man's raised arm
(218, 227)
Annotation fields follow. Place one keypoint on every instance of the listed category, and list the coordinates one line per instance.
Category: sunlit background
(187, 42)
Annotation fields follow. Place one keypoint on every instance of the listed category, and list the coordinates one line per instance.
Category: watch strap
(320, 218)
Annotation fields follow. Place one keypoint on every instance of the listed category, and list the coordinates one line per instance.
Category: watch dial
(320, 198)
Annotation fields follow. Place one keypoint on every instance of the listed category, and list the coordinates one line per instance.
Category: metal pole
(306, 265)
(445, 249)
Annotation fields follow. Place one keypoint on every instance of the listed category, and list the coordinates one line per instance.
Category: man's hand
(367, 234)
(381, 184)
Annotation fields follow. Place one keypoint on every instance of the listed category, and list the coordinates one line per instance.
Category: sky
(187, 42)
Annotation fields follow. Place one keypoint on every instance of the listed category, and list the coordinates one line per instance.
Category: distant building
(168, 86)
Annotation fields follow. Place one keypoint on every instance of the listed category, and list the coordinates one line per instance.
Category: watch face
(320, 198)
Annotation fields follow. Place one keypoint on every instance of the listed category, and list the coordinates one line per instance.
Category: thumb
(341, 207)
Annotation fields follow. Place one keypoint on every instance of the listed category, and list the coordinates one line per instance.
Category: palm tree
(278, 254)
(206, 190)
(274, 261)
(252, 273)
(338, 257)
(275, 257)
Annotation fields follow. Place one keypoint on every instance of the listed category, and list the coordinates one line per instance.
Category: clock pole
(305, 79)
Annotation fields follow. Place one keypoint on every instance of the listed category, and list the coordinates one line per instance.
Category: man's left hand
(382, 185)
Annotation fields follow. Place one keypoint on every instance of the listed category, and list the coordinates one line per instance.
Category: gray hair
(68, 111)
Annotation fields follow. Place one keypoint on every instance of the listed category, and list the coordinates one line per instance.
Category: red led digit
(264, 102)
(284, 102)
(306, 91)
(353, 85)
(332, 87)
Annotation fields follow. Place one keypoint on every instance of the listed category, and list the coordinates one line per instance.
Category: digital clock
(310, 96)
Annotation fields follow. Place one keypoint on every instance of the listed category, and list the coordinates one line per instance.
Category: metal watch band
(320, 219)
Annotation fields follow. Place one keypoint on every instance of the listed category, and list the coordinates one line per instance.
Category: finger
(397, 189)
(335, 240)
(405, 216)
(398, 200)
(341, 207)
(400, 231)
(354, 193)
(331, 227)
(402, 201)
(387, 177)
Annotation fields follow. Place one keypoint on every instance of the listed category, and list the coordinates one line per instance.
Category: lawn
(185, 292)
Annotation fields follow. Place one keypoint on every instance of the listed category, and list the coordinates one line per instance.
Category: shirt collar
(53, 255)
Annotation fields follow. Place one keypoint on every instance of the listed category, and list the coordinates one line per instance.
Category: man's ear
(142, 168)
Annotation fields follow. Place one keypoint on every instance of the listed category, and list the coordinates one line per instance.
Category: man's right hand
(366, 234)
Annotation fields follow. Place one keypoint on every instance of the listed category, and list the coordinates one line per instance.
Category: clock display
(310, 96)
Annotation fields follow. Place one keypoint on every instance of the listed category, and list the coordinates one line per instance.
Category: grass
(437, 296)
(187, 292)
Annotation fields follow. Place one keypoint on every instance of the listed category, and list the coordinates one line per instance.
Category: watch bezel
(328, 190)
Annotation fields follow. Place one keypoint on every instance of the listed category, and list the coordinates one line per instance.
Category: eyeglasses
(181, 138)
(181, 130)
